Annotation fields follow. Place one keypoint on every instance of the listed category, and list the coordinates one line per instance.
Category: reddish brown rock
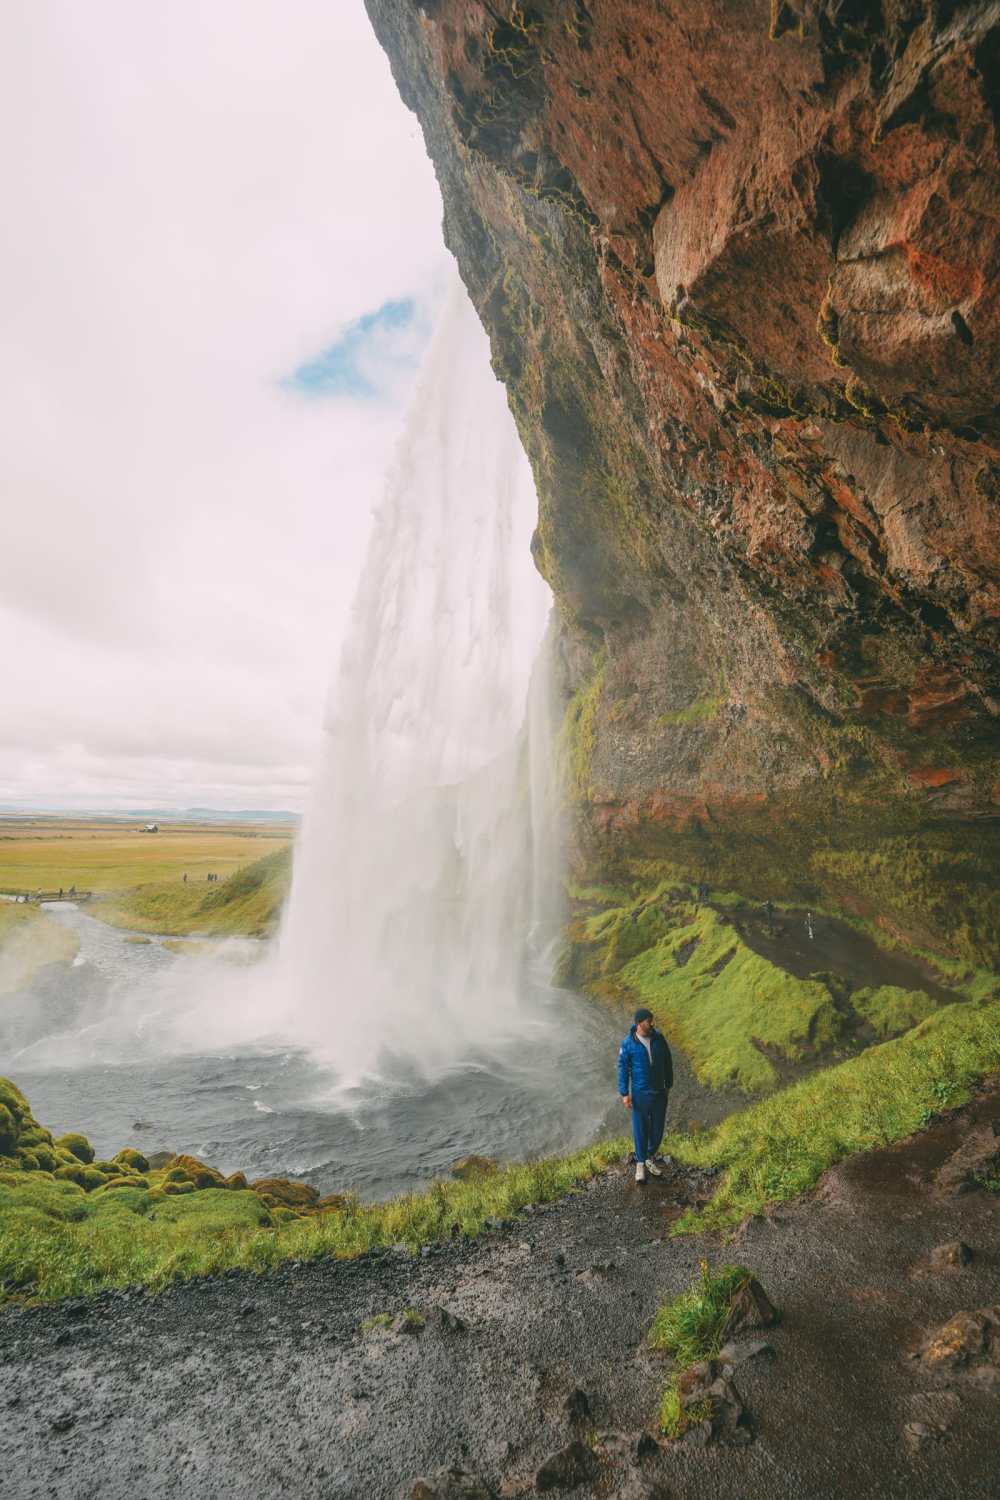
(739, 266)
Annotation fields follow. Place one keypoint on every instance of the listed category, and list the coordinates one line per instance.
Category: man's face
(644, 1028)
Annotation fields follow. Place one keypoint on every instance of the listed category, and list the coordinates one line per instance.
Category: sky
(220, 263)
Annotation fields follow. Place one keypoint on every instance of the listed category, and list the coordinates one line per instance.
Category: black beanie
(642, 1014)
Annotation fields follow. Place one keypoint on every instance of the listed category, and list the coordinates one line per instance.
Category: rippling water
(274, 1110)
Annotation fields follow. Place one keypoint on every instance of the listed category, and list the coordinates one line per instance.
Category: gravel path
(268, 1387)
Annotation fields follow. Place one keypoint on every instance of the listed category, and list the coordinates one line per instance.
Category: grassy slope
(30, 939)
(248, 903)
(56, 1243)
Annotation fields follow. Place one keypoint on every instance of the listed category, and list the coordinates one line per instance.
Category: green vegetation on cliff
(248, 903)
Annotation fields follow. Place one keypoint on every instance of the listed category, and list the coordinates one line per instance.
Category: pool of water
(97, 1046)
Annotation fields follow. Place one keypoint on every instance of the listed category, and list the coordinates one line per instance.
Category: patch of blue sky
(368, 358)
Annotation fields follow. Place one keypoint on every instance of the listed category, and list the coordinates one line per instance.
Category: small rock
(918, 1434)
(246, 1308)
(750, 1308)
(577, 1406)
(700, 1435)
(447, 1322)
(63, 1423)
(451, 1483)
(567, 1468)
(951, 1256)
(647, 1447)
(962, 1338)
(559, 1258)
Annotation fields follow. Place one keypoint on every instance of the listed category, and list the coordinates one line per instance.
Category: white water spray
(425, 860)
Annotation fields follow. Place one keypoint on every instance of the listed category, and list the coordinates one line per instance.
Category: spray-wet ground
(271, 1386)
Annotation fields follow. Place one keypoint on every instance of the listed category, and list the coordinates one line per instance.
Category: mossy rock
(175, 1189)
(91, 1178)
(35, 1135)
(127, 1182)
(47, 1159)
(77, 1145)
(278, 1190)
(29, 1161)
(238, 1181)
(12, 1099)
(132, 1158)
(197, 1172)
(8, 1131)
(72, 1173)
(282, 1215)
(110, 1168)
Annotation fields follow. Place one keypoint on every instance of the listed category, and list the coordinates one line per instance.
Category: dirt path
(268, 1387)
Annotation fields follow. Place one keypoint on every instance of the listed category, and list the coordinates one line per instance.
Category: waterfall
(427, 855)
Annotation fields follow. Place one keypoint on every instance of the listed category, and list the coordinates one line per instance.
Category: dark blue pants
(649, 1115)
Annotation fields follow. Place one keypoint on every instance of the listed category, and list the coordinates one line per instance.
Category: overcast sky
(220, 258)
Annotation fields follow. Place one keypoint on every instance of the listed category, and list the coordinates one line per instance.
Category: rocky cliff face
(739, 265)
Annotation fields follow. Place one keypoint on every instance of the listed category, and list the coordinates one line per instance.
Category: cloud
(198, 200)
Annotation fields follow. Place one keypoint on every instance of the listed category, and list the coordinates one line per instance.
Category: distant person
(60, 893)
(645, 1074)
(809, 925)
(184, 878)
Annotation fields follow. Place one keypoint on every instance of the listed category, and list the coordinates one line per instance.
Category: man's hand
(627, 1100)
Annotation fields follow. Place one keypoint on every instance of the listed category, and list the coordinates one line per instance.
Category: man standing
(645, 1073)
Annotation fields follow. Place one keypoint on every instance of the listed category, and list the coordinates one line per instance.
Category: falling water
(424, 862)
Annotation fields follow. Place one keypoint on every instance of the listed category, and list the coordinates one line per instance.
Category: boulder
(130, 1158)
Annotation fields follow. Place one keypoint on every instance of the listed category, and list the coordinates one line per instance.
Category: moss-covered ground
(740, 1017)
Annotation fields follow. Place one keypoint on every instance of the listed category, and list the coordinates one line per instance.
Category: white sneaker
(640, 1171)
(652, 1167)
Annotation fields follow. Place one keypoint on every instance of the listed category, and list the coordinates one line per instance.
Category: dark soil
(836, 948)
(268, 1387)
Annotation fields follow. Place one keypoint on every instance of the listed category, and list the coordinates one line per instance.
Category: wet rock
(246, 1308)
(159, 1159)
(750, 1309)
(63, 1423)
(641, 1487)
(646, 1447)
(447, 1322)
(564, 1470)
(966, 1338)
(451, 1483)
(978, 1157)
(951, 1256)
(712, 1405)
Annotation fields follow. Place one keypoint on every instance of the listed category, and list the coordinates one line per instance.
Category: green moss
(77, 1145)
(780, 1146)
(8, 1132)
(694, 713)
(723, 1003)
(890, 1010)
(577, 737)
(380, 1320)
(131, 1158)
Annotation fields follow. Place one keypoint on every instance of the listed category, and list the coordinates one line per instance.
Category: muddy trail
(502, 1352)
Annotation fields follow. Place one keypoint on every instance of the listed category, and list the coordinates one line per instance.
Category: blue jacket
(637, 1073)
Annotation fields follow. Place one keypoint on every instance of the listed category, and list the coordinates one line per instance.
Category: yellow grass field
(46, 853)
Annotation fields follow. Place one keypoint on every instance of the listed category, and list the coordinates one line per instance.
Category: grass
(722, 1002)
(30, 939)
(103, 856)
(890, 1009)
(58, 1241)
(248, 903)
(780, 1146)
(690, 1328)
